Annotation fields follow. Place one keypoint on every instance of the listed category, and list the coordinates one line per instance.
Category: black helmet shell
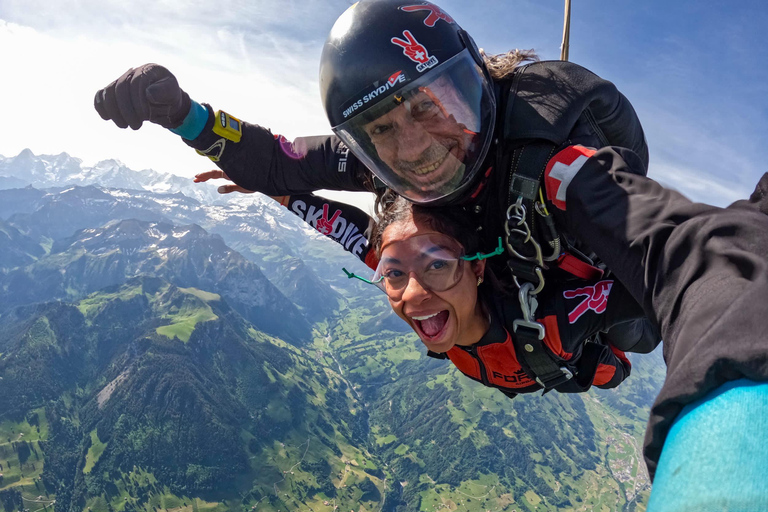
(380, 46)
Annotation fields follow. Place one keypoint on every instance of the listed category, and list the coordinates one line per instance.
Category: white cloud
(54, 75)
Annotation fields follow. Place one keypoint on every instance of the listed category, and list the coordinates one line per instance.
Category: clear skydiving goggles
(435, 260)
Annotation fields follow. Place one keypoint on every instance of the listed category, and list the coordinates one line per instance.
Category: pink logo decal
(412, 48)
(596, 299)
(289, 148)
(324, 224)
(415, 51)
(435, 13)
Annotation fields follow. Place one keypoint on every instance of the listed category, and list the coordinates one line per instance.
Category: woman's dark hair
(451, 221)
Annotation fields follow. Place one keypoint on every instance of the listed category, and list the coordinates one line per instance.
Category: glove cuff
(194, 123)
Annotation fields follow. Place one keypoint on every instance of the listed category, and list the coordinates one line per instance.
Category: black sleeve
(640, 336)
(272, 165)
(700, 271)
(343, 223)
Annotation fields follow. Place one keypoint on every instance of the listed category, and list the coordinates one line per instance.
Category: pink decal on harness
(596, 299)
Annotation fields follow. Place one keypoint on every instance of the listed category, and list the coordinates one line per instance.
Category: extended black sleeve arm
(700, 271)
(275, 166)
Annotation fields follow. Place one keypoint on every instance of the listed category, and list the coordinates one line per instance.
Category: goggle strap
(352, 275)
(480, 256)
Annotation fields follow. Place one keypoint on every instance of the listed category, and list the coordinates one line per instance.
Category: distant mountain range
(48, 171)
(163, 348)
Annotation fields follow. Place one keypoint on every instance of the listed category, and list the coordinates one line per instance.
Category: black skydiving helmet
(404, 87)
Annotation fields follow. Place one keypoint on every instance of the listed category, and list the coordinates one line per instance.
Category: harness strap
(533, 355)
(578, 268)
(526, 170)
(532, 350)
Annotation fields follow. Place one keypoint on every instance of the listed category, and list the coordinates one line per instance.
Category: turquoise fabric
(716, 455)
(194, 122)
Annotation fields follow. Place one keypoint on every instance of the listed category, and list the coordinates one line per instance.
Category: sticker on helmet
(415, 51)
(435, 13)
(398, 77)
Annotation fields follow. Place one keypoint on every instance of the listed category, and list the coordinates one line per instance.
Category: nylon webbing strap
(535, 354)
(523, 269)
(528, 339)
(528, 165)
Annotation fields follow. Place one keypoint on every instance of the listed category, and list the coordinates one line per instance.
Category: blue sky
(694, 70)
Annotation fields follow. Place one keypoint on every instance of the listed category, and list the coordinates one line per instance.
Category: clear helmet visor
(427, 140)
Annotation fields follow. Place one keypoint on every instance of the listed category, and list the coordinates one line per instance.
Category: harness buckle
(550, 382)
(528, 305)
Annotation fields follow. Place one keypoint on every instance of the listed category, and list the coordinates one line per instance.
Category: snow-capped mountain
(46, 171)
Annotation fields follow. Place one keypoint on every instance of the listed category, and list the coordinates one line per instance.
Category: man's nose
(413, 140)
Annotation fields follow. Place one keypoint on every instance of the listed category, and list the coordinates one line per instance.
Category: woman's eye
(437, 265)
(393, 274)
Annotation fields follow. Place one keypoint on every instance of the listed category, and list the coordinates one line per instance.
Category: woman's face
(442, 319)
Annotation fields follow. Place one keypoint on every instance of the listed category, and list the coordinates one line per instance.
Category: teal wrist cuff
(194, 123)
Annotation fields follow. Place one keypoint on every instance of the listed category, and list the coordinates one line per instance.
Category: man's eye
(423, 108)
(380, 130)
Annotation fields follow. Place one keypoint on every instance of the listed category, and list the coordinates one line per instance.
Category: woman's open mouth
(430, 327)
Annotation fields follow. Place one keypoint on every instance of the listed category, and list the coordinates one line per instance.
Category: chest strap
(528, 339)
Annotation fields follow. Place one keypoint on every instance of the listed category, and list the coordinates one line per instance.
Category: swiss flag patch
(561, 170)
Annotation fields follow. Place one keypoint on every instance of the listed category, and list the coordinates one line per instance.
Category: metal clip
(554, 243)
(528, 305)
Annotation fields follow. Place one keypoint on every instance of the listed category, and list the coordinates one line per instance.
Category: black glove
(146, 93)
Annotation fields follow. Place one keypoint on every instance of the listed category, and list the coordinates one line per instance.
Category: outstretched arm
(345, 224)
(700, 271)
(253, 157)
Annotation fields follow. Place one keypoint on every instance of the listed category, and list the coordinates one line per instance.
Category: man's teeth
(422, 318)
(425, 170)
(429, 168)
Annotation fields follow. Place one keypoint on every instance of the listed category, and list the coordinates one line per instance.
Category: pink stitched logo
(435, 13)
(324, 224)
(596, 299)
